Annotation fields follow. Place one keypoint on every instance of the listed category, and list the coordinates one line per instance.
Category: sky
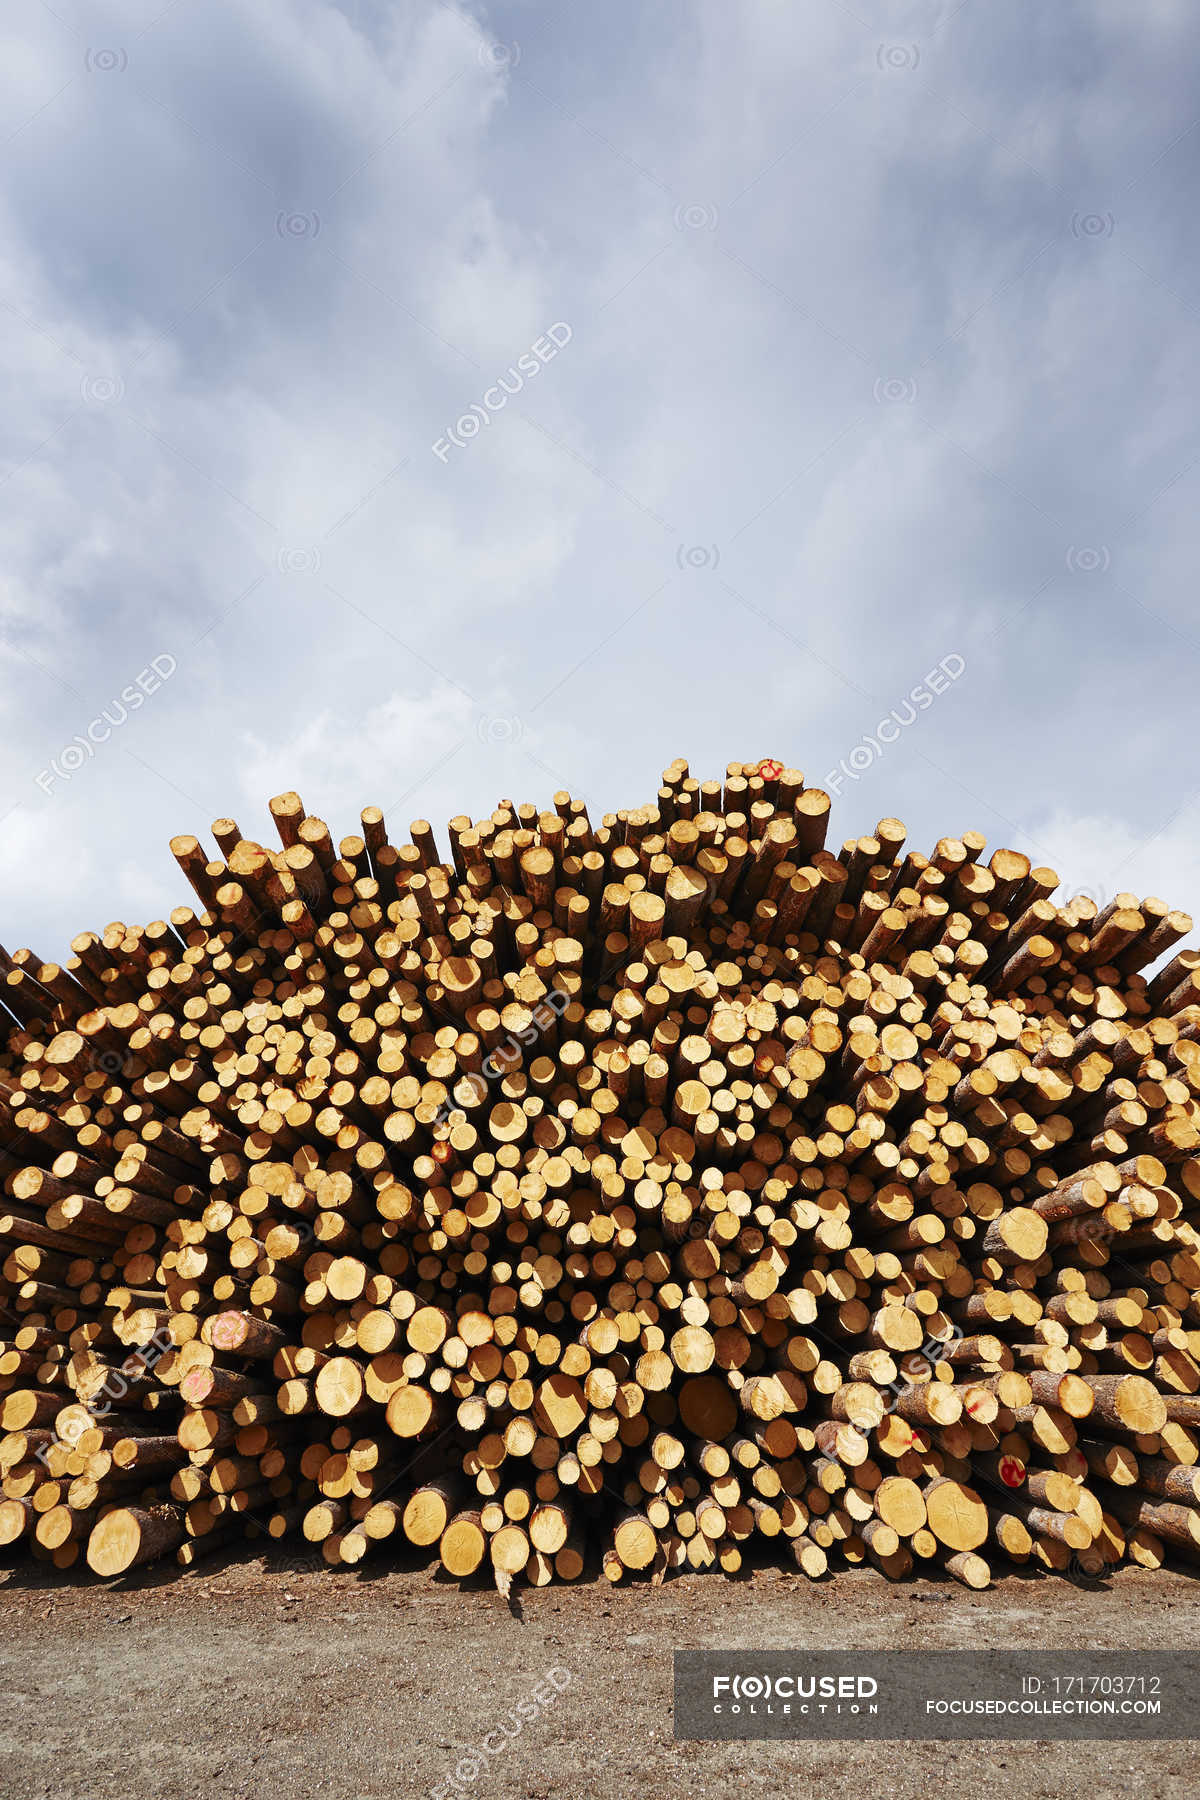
(849, 355)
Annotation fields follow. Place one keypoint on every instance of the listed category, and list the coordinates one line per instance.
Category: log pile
(625, 1195)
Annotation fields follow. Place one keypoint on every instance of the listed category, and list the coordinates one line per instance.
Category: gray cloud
(884, 337)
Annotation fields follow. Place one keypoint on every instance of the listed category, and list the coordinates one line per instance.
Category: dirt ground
(270, 1677)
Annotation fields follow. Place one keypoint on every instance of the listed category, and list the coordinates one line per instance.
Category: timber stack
(637, 1196)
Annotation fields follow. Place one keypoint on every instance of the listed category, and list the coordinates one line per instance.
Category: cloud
(1104, 855)
(882, 348)
(400, 742)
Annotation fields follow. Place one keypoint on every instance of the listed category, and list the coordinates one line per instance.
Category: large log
(128, 1536)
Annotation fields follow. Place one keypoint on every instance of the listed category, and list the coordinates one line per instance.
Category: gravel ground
(269, 1677)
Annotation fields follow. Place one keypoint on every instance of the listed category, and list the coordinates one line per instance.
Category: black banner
(780, 1694)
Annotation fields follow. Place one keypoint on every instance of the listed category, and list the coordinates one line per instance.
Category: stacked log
(646, 1194)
